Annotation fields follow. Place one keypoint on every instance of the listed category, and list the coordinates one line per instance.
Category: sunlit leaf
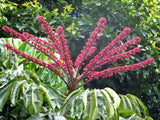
(68, 101)
(15, 91)
(52, 96)
(115, 97)
(93, 111)
(4, 93)
(108, 104)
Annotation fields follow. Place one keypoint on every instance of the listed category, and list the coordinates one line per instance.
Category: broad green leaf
(15, 91)
(116, 115)
(149, 118)
(125, 112)
(101, 104)
(4, 93)
(84, 102)
(115, 97)
(24, 48)
(3, 77)
(144, 108)
(93, 112)
(9, 61)
(33, 98)
(138, 104)
(36, 100)
(76, 107)
(68, 101)
(27, 90)
(135, 105)
(17, 72)
(52, 95)
(126, 104)
(32, 75)
(3, 50)
(108, 103)
(56, 99)
(16, 63)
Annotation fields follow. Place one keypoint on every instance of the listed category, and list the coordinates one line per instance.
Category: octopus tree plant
(64, 67)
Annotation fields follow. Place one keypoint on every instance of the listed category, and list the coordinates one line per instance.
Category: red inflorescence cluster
(51, 35)
(58, 44)
(112, 71)
(90, 48)
(64, 52)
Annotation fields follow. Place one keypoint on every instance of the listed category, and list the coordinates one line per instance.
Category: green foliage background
(79, 20)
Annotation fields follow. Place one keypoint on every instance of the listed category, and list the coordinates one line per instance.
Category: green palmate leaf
(126, 102)
(134, 117)
(115, 97)
(116, 115)
(112, 102)
(84, 104)
(101, 105)
(91, 105)
(149, 118)
(15, 91)
(51, 95)
(135, 107)
(26, 90)
(33, 76)
(68, 101)
(3, 50)
(36, 101)
(4, 93)
(108, 104)
(16, 72)
(131, 102)
(5, 60)
(9, 62)
(16, 63)
(76, 108)
(135, 99)
(54, 95)
(125, 112)
(93, 112)
(33, 98)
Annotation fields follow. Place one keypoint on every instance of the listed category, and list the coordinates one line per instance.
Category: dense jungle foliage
(79, 18)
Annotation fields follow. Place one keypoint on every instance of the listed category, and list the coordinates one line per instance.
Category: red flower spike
(64, 51)
(90, 48)
(112, 53)
(108, 72)
(48, 30)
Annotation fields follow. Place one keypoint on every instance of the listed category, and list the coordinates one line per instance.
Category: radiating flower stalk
(58, 44)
